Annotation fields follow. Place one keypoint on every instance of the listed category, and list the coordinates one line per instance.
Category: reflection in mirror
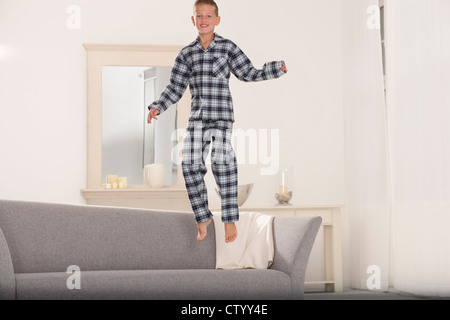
(128, 142)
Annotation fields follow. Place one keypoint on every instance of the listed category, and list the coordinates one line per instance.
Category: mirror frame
(99, 55)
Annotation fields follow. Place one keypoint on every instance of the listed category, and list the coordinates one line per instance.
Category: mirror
(129, 143)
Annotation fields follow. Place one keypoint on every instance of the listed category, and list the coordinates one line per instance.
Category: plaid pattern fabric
(207, 72)
(196, 143)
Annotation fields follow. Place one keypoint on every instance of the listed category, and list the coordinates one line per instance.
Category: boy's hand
(283, 66)
(152, 115)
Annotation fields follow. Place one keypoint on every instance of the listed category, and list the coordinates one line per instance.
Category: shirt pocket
(220, 67)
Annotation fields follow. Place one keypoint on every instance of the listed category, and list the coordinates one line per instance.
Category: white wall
(43, 88)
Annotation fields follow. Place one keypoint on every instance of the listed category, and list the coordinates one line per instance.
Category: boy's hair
(209, 2)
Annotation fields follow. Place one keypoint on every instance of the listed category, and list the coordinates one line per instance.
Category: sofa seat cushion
(157, 284)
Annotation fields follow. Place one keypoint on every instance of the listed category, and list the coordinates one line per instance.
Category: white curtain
(366, 147)
(398, 149)
(418, 101)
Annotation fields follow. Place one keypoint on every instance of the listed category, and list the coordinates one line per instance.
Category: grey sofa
(127, 253)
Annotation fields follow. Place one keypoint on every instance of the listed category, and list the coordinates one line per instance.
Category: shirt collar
(212, 44)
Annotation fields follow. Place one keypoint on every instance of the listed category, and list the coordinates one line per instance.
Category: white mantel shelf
(139, 197)
(135, 192)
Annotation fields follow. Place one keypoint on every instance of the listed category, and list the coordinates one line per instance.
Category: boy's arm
(179, 79)
(243, 69)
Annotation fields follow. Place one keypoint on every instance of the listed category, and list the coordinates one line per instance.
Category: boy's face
(205, 19)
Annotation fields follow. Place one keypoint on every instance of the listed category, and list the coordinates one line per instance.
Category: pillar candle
(123, 182)
(111, 178)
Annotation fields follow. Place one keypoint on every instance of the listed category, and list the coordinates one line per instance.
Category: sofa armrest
(7, 277)
(293, 241)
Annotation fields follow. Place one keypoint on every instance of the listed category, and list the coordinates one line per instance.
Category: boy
(205, 65)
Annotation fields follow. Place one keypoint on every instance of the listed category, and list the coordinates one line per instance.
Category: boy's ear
(193, 20)
(218, 20)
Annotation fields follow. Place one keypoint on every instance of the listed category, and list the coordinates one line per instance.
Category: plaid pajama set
(207, 72)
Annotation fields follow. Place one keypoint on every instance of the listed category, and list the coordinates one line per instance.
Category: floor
(360, 295)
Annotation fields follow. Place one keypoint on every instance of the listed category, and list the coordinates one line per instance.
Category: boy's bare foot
(230, 232)
(201, 227)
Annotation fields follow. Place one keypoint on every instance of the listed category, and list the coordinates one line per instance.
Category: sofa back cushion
(44, 237)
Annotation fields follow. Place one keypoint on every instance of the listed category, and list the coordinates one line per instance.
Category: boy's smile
(205, 19)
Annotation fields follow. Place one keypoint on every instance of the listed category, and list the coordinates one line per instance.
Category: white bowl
(244, 191)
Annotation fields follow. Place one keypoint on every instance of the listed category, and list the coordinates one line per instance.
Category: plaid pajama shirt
(207, 72)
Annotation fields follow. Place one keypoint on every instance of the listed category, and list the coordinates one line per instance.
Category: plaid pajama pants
(198, 138)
